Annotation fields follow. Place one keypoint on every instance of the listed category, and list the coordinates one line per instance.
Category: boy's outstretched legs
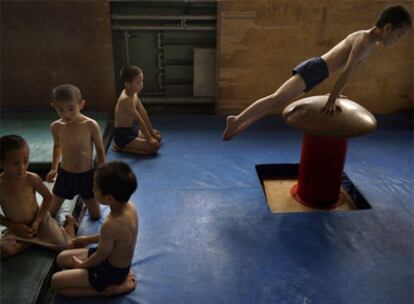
(291, 89)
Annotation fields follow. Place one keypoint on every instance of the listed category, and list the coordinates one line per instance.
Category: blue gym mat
(207, 235)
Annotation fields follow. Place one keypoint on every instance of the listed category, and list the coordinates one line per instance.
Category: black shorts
(104, 274)
(69, 184)
(313, 71)
(123, 136)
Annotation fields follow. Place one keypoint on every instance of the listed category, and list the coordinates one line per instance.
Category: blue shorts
(123, 136)
(313, 71)
(104, 274)
(69, 184)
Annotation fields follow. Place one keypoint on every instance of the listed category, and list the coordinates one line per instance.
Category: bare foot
(71, 226)
(127, 286)
(157, 134)
(229, 131)
(115, 148)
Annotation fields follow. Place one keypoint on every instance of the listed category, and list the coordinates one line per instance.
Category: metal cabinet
(161, 37)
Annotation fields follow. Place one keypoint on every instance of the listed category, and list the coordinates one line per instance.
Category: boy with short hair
(104, 270)
(74, 135)
(129, 109)
(348, 54)
(27, 223)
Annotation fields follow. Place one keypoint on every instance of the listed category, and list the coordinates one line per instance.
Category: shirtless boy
(27, 223)
(104, 270)
(74, 135)
(348, 54)
(129, 109)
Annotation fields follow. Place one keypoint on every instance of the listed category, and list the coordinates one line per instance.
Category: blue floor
(207, 235)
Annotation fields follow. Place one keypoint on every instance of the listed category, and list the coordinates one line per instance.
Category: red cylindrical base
(320, 171)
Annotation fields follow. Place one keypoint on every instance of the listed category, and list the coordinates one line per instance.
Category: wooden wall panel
(47, 43)
(259, 42)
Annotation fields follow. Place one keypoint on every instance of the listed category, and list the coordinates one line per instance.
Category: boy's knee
(56, 281)
(94, 217)
(61, 259)
(94, 209)
(11, 250)
(272, 100)
(7, 251)
(64, 260)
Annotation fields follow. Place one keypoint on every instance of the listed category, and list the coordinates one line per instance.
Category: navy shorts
(69, 184)
(123, 136)
(313, 71)
(104, 274)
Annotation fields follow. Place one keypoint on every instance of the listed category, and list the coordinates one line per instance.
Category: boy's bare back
(18, 198)
(355, 47)
(75, 140)
(124, 117)
(122, 230)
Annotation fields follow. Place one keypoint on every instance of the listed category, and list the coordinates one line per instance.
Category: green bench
(34, 127)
